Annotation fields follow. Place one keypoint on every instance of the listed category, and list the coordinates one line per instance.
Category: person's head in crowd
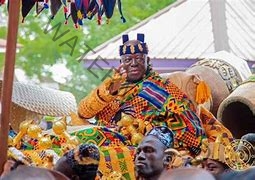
(250, 137)
(215, 162)
(32, 173)
(186, 174)
(80, 163)
(10, 165)
(214, 166)
(150, 158)
(134, 58)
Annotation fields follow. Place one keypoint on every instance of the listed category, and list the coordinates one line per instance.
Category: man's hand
(119, 77)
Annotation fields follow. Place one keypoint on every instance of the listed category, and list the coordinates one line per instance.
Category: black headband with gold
(164, 134)
(141, 47)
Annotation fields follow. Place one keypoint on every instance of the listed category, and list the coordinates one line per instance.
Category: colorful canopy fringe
(78, 10)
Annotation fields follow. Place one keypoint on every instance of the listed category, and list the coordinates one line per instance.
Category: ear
(170, 157)
(167, 160)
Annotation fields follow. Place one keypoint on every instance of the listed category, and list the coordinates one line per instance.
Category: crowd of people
(178, 140)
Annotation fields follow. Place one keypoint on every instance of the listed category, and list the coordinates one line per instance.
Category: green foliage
(41, 49)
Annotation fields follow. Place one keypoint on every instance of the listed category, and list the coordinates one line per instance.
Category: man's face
(214, 167)
(135, 66)
(149, 157)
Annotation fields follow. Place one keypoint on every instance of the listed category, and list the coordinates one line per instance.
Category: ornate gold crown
(216, 150)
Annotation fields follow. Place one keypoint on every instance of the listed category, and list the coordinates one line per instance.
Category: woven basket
(237, 111)
(222, 78)
(32, 102)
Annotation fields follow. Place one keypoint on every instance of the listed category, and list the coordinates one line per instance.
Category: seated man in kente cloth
(137, 90)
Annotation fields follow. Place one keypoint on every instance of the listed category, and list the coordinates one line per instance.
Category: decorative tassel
(120, 11)
(107, 21)
(79, 15)
(203, 93)
(45, 5)
(65, 9)
(80, 22)
(76, 26)
(89, 14)
(123, 19)
(99, 19)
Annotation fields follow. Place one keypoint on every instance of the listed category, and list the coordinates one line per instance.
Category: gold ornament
(124, 49)
(74, 140)
(34, 131)
(132, 49)
(48, 162)
(176, 158)
(141, 126)
(131, 129)
(59, 129)
(148, 127)
(216, 150)
(126, 120)
(113, 176)
(140, 47)
(35, 156)
(22, 131)
(136, 138)
(124, 131)
(77, 121)
(44, 143)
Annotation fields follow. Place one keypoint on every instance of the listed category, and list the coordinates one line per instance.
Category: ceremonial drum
(237, 111)
(221, 77)
(223, 72)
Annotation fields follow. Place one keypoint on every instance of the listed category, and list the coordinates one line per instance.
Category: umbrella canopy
(78, 10)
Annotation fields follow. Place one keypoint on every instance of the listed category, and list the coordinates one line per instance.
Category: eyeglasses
(137, 58)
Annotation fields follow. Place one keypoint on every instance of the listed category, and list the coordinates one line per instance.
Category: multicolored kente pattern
(160, 102)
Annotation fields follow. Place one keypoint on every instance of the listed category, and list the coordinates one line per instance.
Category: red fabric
(2, 2)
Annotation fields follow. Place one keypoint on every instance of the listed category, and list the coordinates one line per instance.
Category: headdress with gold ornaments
(141, 47)
(213, 150)
(217, 150)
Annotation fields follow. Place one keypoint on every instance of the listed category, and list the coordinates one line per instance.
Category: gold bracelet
(91, 105)
(104, 94)
(84, 110)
